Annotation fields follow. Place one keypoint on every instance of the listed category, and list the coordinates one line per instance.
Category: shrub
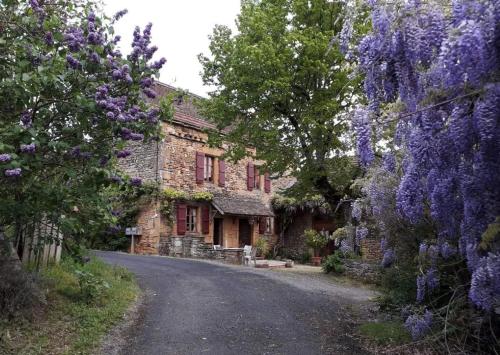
(314, 239)
(262, 246)
(305, 257)
(92, 287)
(333, 263)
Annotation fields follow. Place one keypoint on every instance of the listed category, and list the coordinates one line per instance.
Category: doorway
(245, 232)
(218, 232)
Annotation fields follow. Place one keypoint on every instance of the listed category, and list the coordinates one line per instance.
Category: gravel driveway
(197, 307)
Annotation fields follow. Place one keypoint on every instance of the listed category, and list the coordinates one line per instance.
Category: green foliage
(385, 333)
(262, 246)
(79, 326)
(305, 257)
(170, 194)
(92, 287)
(314, 239)
(333, 263)
(398, 286)
(282, 75)
(203, 196)
(491, 235)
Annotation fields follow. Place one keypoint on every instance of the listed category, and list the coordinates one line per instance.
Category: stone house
(237, 214)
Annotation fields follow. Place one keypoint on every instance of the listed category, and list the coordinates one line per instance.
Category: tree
(69, 101)
(283, 86)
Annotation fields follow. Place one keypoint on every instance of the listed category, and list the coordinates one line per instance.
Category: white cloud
(180, 30)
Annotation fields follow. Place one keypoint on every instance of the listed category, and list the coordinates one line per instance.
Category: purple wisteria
(13, 172)
(28, 148)
(5, 158)
(418, 326)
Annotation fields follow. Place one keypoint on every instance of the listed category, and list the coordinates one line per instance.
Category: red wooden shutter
(200, 162)
(250, 176)
(262, 225)
(222, 173)
(181, 219)
(205, 220)
(267, 183)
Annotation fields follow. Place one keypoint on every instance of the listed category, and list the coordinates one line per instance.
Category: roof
(185, 111)
(235, 204)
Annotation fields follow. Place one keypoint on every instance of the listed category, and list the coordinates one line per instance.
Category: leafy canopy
(282, 85)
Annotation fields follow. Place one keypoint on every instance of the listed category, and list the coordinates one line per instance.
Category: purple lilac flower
(136, 136)
(383, 244)
(361, 233)
(5, 158)
(432, 279)
(49, 38)
(123, 153)
(356, 210)
(422, 250)
(421, 282)
(116, 178)
(74, 38)
(120, 14)
(362, 126)
(447, 251)
(158, 64)
(136, 181)
(345, 248)
(389, 162)
(26, 118)
(28, 148)
(13, 172)
(146, 82)
(388, 258)
(117, 39)
(419, 326)
(73, 62)
(149, 93)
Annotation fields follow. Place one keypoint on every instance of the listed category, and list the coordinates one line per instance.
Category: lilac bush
(431, 80)
(65, 102)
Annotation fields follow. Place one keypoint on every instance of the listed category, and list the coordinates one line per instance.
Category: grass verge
(79, 310)
(385, 333)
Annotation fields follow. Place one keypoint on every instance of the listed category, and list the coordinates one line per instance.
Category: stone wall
(370, 249)
(143, 163)
(362, 271)
(294, 244)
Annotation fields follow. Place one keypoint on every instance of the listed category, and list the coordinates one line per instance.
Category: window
(268, 225)
(191, 219)
(208, 169)
(256, 178)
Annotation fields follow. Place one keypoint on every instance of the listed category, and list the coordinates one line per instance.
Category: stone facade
(172, 163)
(368, 272)
(370, 250)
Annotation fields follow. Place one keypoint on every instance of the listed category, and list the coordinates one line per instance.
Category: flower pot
(316, 260)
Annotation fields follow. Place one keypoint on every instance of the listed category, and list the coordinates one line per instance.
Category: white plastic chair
(249, 254)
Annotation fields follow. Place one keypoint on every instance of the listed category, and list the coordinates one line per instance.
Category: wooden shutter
(267, 183)
(222, 173)
(250, 176)
(181, 219)
(200, 162)
(205, 220)
(262, 225)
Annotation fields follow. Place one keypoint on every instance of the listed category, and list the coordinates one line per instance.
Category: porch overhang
(237, 205)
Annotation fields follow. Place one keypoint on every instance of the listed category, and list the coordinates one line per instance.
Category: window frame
(191, 219)
(209, 166)
(256, 177)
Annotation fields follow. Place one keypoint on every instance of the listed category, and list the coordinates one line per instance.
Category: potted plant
(262, 247)
(316, 241)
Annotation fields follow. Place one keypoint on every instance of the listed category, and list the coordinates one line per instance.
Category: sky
(180, 30)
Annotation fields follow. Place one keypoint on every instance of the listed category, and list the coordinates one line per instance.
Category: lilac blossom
(123, 153)
(73, 62)
(13, 172)
(419, 326)
(135, 181)
(28, 148)
(388, 258)
(120, 14)
(5, 158)
(26, 118)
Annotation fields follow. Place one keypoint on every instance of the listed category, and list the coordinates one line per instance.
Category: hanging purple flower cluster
(443, 70)
(419, 326)
(28, 148)
(361, 233)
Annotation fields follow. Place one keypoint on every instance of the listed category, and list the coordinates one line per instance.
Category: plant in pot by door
(316, 241)
(262, 247)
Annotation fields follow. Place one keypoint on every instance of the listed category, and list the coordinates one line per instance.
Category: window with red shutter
(267, 183)
(222, 173)
(250, 176)
(200, 170)
(205, 220)
(181, 219)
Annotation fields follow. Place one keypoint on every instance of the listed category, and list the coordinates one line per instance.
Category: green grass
(385, 333)
(70, 324)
